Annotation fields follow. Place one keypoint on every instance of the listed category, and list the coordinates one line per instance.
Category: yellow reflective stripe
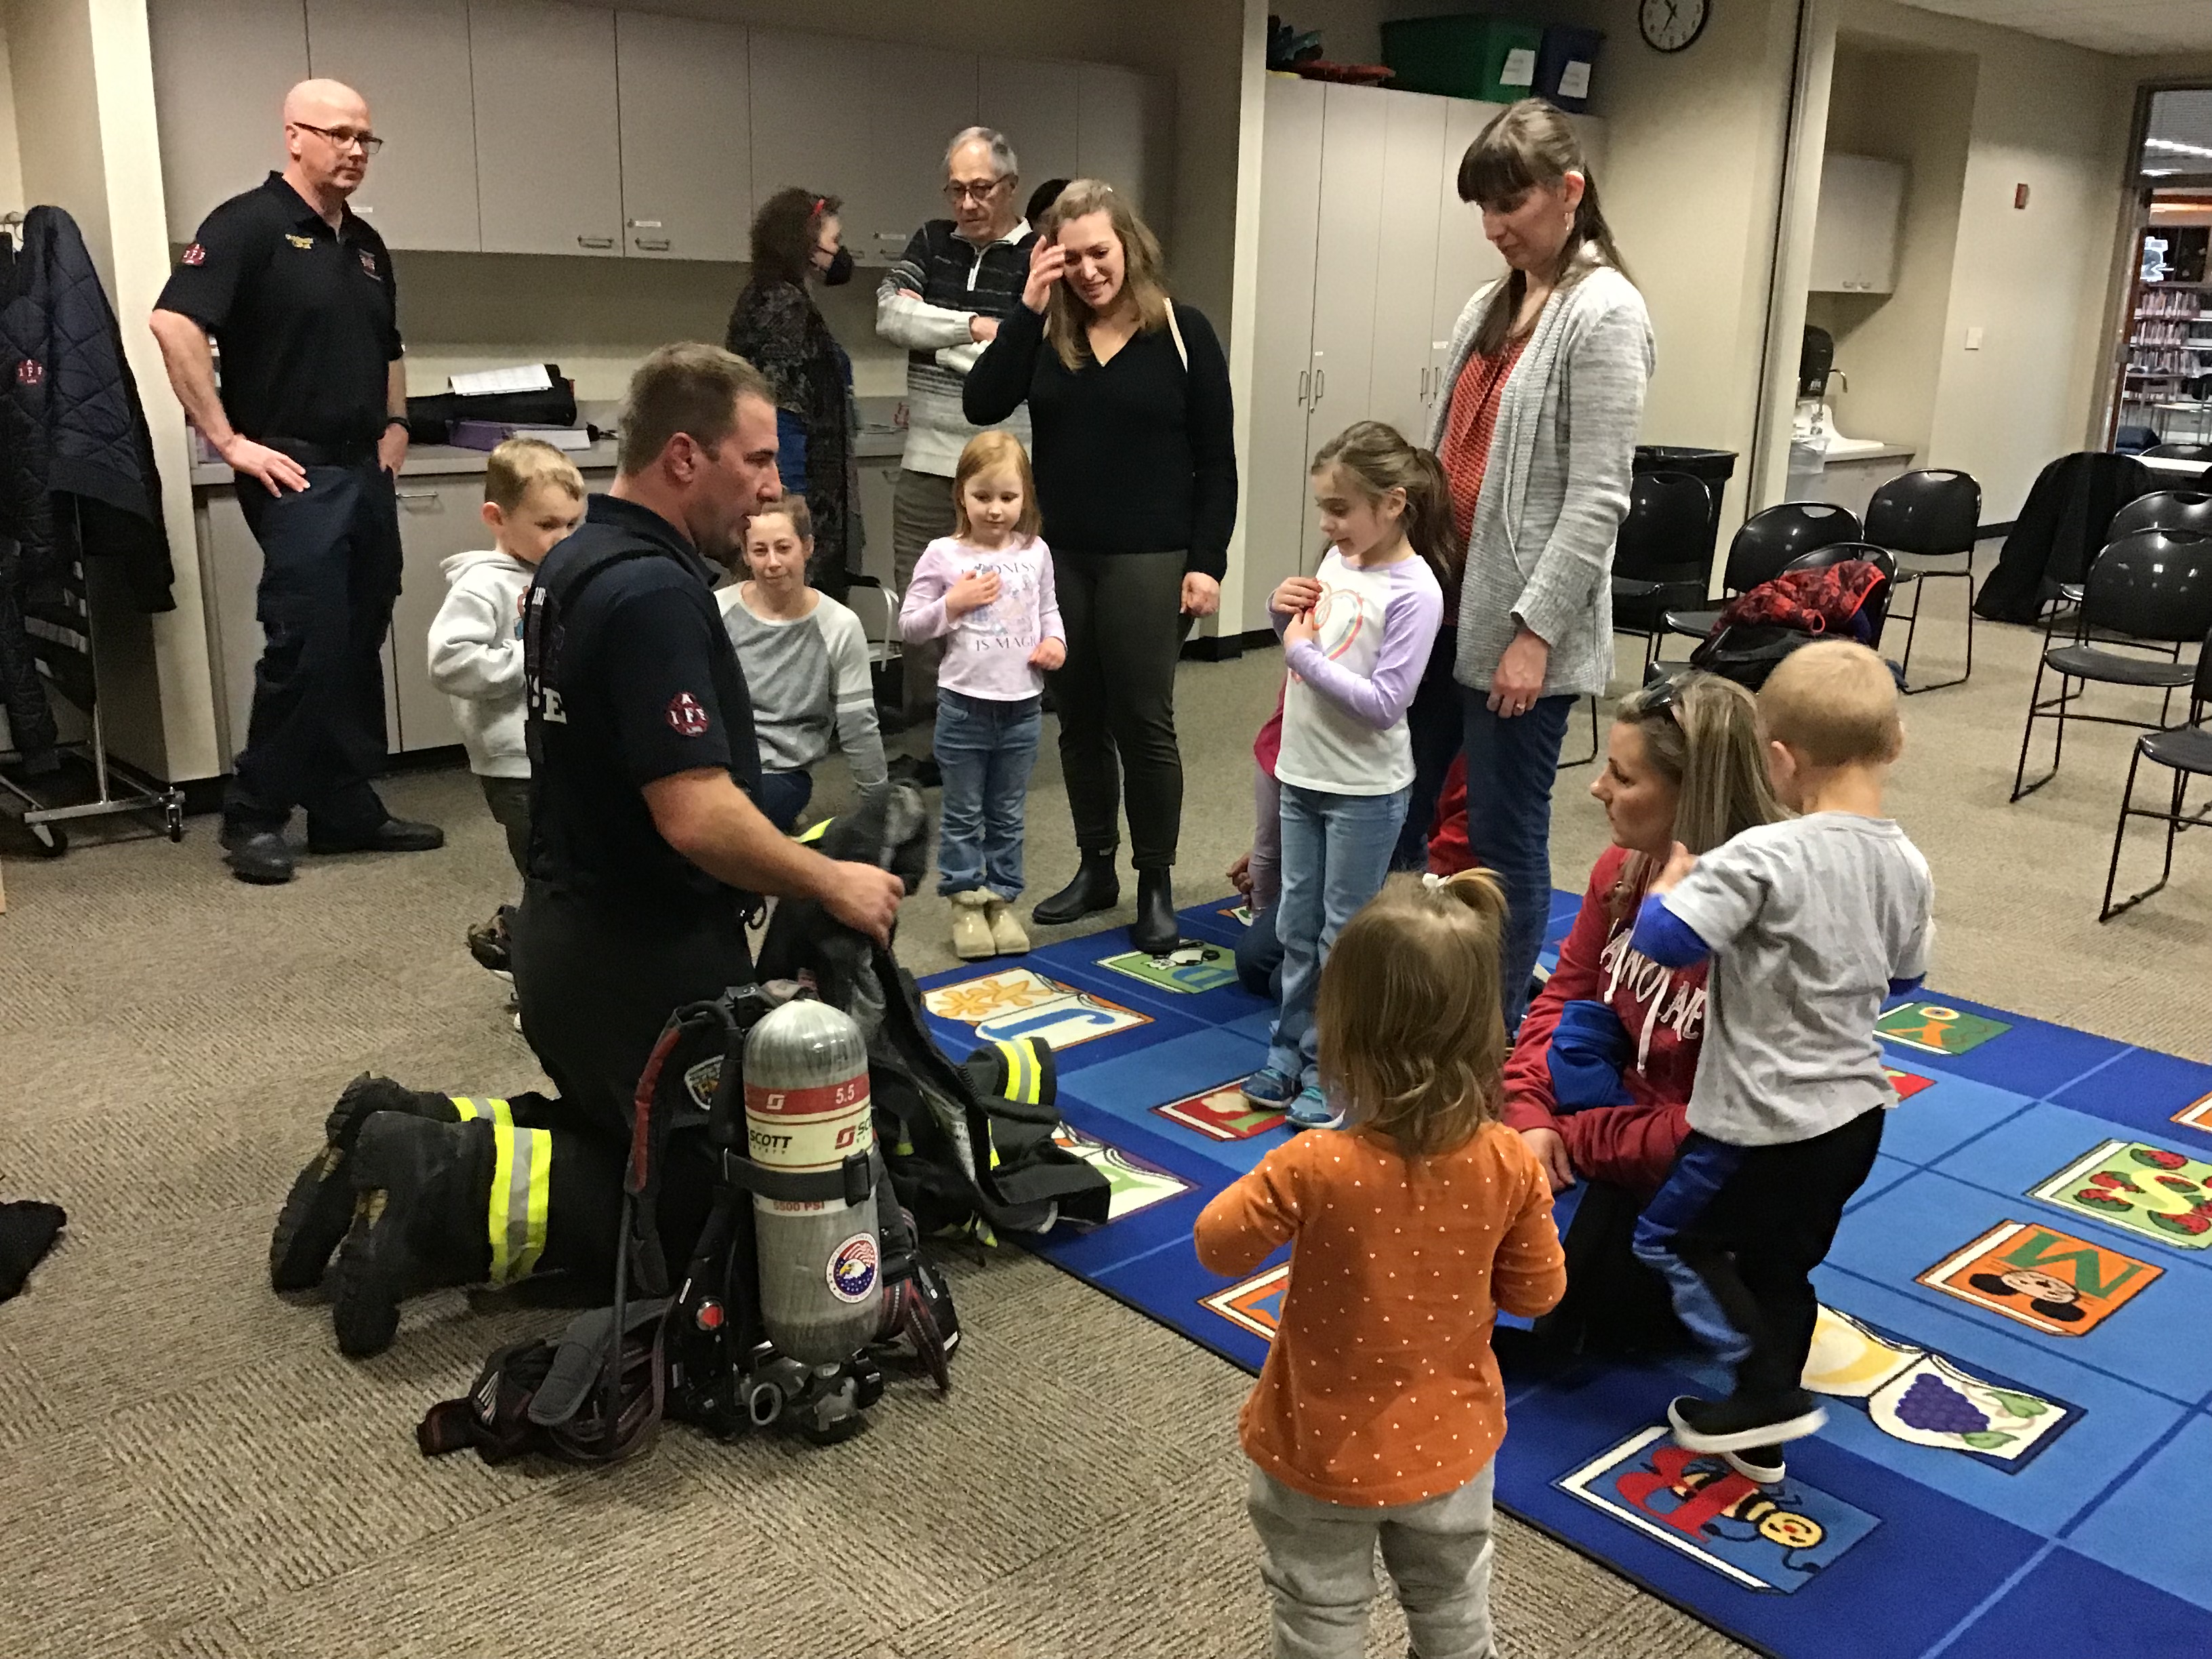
(465, 1107)
(1010, 1056)
(502, 1112)
(807, 837)
(540, 1198)
(521, 1175)
(994, 1142)
(497, 1110)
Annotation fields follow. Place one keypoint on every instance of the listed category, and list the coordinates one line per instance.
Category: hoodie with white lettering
(475, 658)
(1662, 1011)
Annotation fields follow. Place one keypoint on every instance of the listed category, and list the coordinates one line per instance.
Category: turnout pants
(330, 574)
(1736, 1233)
(1115, 694)
(596, 985)
(1318, 1557)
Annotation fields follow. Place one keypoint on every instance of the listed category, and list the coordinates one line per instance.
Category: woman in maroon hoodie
(1599, 1081)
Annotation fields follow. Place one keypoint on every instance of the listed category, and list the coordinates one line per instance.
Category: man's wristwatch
(390, 420)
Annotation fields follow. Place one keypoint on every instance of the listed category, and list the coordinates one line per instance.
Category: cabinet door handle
(1305, 379)
(650, 244)
(643, 224)
(595, 241)
(1321, 384)
(414, 494)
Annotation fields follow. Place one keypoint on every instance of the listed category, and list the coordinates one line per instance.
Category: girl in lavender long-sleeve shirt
(1355, 637)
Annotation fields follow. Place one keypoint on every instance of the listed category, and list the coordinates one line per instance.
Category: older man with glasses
(297, 290)
(942, 301)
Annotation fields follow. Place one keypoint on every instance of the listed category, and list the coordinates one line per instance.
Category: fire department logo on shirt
(367, 261)
(30, 371)
(195, 255)
(685, 717)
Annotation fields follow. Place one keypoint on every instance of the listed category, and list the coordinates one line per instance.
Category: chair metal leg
(1919, 595)
(1912, 623)
(1568, 765)
(2034, 708)
(2105, 912)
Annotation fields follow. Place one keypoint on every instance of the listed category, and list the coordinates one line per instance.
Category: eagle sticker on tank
(852, 1271)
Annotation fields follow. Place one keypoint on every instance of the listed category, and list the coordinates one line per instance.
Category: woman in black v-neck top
(1136, 474)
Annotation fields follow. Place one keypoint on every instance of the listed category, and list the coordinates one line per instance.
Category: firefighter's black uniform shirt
(307, 318)
(648, 685)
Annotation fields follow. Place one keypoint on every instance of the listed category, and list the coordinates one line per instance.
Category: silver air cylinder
(806, 1109)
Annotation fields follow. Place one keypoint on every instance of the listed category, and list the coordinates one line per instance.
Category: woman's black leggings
(1115, 695)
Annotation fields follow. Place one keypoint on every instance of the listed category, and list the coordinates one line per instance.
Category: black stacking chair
(1658, 565)
(1765, 545)
(2180, 452)
(2151, 589)
(1929, 519)
(1876, 606)
(2164, 509)
(2187, 750)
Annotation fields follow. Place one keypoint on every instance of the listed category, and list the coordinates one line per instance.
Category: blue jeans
(1510, 767)
(783, 797)
(1336, 852)
(985, 749)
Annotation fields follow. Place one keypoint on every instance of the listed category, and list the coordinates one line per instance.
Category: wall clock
(1671, 24)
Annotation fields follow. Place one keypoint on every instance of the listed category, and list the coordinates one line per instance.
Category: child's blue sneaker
(1311, 1111)
(1269, 1087)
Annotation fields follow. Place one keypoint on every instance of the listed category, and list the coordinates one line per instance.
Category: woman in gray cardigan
(1547, 371)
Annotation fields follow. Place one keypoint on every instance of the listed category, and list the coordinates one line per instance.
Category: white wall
(11, 161)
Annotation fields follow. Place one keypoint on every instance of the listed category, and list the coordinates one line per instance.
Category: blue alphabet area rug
(2015, 1338)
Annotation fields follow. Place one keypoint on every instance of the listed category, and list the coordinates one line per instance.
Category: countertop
(882, 437)
(1882, 452)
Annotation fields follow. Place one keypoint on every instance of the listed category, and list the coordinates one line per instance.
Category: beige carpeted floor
(191, 1469)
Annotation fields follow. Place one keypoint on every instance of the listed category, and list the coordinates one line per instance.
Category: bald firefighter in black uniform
(298, 291)
(646, 855)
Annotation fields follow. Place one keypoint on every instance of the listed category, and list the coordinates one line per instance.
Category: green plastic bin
(1465, 56)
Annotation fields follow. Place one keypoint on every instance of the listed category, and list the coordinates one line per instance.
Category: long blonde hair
(1701, 733)
(1143, 278)
(1528, 144)
(1412, 1036)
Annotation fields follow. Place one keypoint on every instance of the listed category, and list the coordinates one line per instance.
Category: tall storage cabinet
(1366, 258)
(687, 165)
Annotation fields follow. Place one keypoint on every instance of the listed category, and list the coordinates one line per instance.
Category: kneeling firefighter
(647, 856)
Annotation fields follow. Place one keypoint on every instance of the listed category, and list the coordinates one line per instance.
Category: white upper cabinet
(1855, 233)
(687, 166)
(219, 77)
(548, 137)
(1402, 384)
(1354, 139)
(1465, 258)
(1035, 104)
(805, 133)
(409, 59)
(918, 98)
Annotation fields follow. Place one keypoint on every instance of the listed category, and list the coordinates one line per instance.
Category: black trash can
(1714, 466)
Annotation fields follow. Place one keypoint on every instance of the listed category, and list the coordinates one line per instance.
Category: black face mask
(840, 269)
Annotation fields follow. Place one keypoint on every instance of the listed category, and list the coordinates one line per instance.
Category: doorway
(2161, 391)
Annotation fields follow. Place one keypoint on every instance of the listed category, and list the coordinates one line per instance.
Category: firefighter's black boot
(422, 1197)
(320, 1206)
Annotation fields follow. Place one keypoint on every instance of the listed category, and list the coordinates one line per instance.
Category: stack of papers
(528, 377)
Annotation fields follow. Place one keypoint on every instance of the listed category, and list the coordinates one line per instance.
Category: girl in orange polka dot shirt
(1379, 1410)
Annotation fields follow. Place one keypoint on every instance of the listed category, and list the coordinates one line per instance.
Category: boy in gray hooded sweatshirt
(534, 497)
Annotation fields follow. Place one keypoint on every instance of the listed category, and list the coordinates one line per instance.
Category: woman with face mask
(777, 327)
(1537, 434)
(1136, 473)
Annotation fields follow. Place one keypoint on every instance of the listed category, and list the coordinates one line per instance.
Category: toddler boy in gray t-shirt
(1811, 923)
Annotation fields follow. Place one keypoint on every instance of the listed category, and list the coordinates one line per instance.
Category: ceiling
(2132, 28)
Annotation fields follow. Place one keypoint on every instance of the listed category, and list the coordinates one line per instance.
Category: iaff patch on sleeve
(195, 255)
(686, 717)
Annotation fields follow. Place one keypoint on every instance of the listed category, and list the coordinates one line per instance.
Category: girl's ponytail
(1480, 891)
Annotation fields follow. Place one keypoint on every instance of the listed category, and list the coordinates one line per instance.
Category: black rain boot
(420, 1221)
(1096, 888)
(320, 1206)
(1155, 930)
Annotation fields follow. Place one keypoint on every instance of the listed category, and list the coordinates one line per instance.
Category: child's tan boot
(1006, 933)
(971, 925)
